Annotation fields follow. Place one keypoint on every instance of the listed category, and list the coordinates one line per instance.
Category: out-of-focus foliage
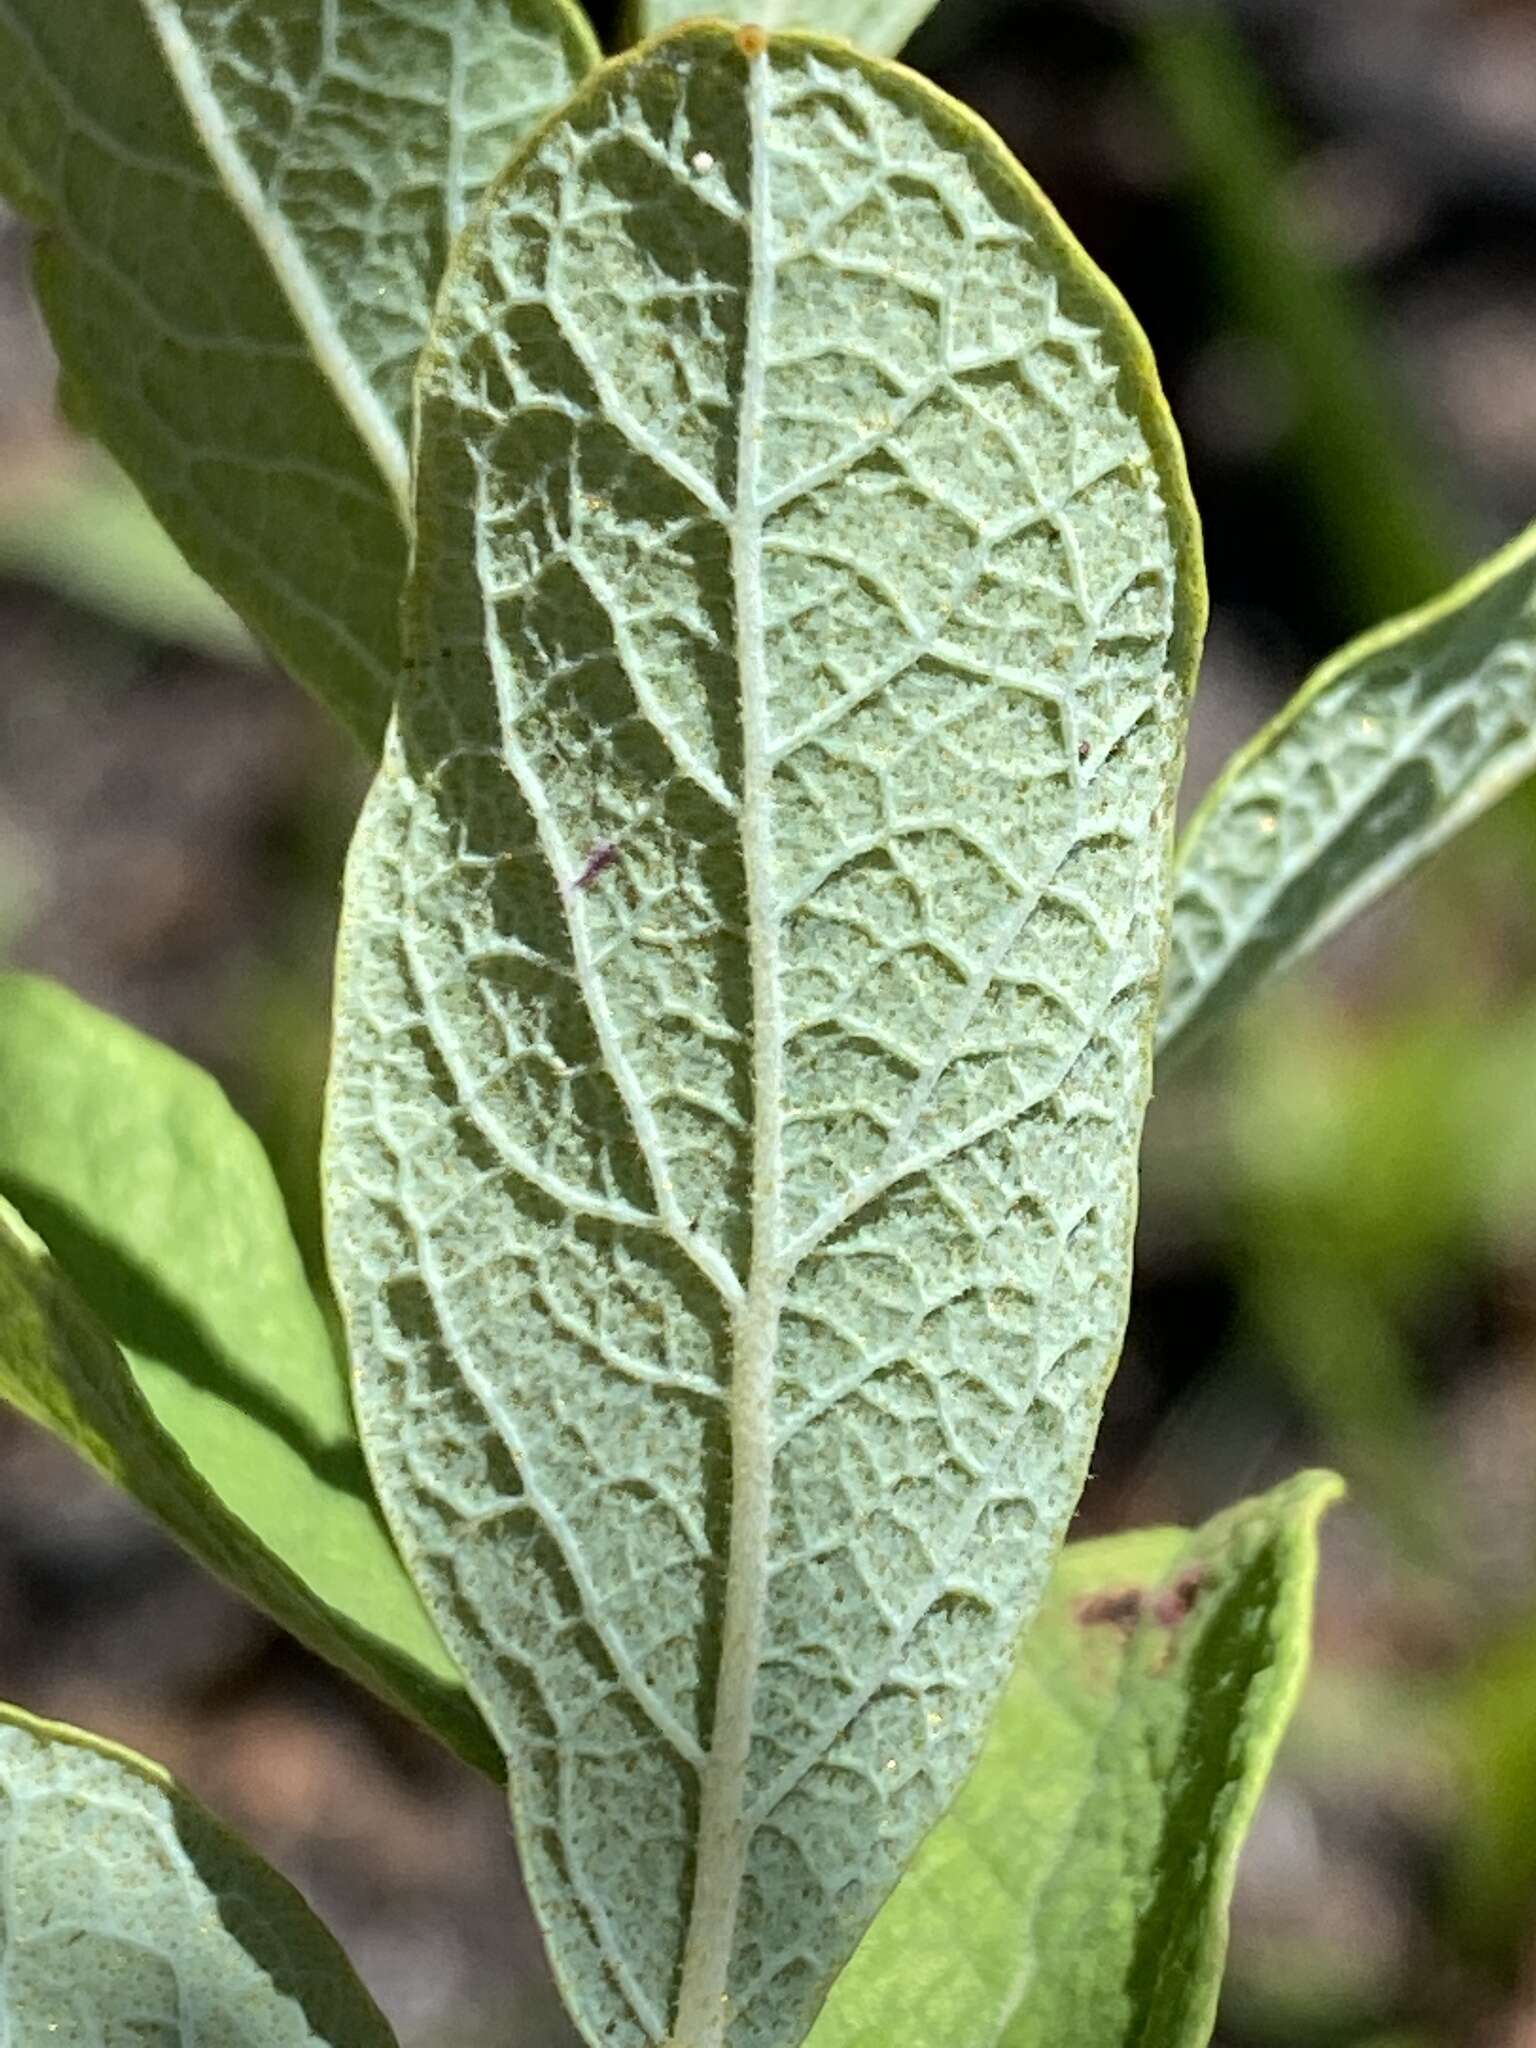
(79, 526)
(1391, 550)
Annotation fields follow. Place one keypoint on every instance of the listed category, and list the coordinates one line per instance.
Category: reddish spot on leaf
(1120, 1608)
(1177, 1601)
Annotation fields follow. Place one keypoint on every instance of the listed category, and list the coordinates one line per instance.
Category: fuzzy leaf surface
(1397, 742)
(747, 973)
(1076, 1893)
(130, 1914)
(246, 207)
(172, 1339)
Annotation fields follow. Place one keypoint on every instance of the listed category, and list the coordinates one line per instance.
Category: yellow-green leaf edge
(1189, 1024)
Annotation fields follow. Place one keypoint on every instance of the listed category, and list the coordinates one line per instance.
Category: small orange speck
(751, 40)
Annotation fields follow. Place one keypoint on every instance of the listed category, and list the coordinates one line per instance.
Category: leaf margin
(366, 2024)
(68, 1356)
(1203, 1013)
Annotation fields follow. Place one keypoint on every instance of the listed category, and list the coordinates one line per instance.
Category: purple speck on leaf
(602, 856)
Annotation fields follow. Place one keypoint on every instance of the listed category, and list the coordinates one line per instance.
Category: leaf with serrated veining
(1397, 742)
(1076, 1893)
(128, 1914)
(748, 967)
(879, 26)
(246, 207)
(171, 1338)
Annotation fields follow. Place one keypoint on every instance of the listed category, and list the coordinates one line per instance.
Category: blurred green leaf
(1355, 1170)
(1491, 1729)
(1382, 530)
(879, 26)
(80, 528)
(173, 1340)
(130, 1914)
(1076, 1894)
(1396, 743)
(245, 213)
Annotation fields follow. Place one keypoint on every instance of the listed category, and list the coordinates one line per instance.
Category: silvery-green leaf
(171, 1338)
(1075, 1895)
(246, 205)
(879, 26)
(748, 966)
(1396, 743)
(130, 1915)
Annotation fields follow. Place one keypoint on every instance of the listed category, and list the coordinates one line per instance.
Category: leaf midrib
(380, 435)
(724, 1832)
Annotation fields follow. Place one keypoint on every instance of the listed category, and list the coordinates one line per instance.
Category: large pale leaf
(246, 206)
(129, 1914)
(1395, 743)
(879, 26)
(173, 1340)
(1075, 1895)
(747, 972)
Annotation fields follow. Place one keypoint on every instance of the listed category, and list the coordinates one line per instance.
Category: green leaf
(246, 209)
(130, 1914)
(1370, 499)
(1396, 743)
(220, 1404)
(748, 962)
(880, 27)
(1076, 1893)
(83, 530)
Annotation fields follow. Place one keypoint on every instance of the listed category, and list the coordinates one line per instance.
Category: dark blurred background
(1324, 213)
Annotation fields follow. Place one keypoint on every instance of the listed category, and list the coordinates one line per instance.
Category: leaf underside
(1395, 744)
(173, 1341)
(246, 207)
(748, 965)
(130, 1915)
(1076, 1893)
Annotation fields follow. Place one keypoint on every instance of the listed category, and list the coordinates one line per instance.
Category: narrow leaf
(879, 26)
(176, 1344)
(1396, 743)
(130, 1915)
(246, 210)
(1076, 1893)
(748, 966)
